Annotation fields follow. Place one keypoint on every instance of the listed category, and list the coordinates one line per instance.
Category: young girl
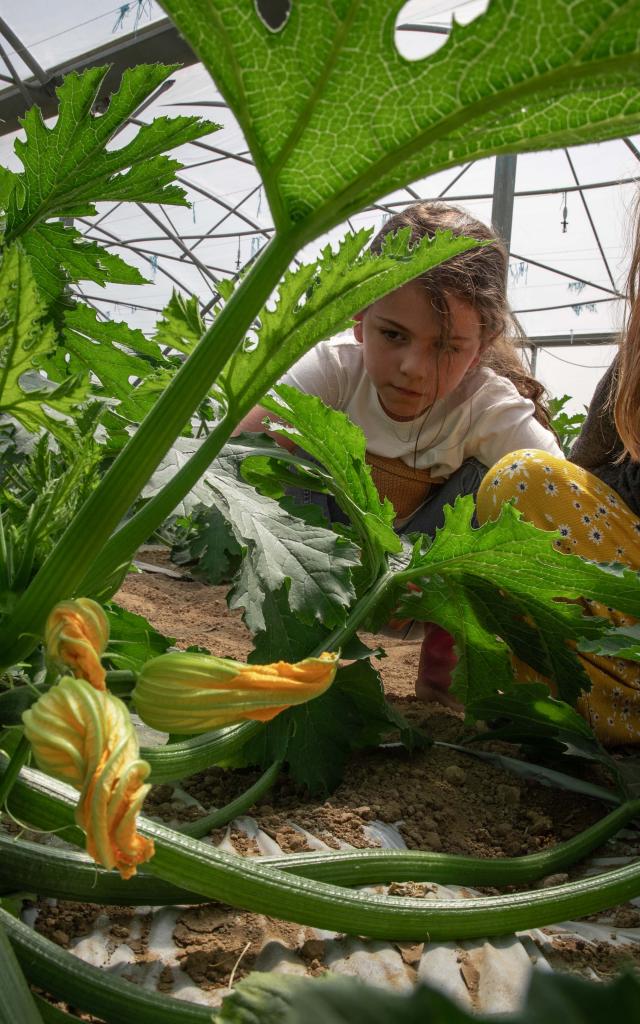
(433, 379)
(594, 501)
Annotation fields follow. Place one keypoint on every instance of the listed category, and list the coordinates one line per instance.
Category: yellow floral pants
(595, 523)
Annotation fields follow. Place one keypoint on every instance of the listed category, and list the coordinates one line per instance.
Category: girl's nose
(414, 362)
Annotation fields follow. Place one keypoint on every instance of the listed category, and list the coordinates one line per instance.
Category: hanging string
(239, 255)
(581, 307)
(565, 213)
(119, 22)
(259, 208)
(142, 7)
(518, 272)
(255, 246)
(193, 210)
(154, 267)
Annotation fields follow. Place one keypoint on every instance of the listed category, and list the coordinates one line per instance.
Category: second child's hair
(627, 397)
(478, 277)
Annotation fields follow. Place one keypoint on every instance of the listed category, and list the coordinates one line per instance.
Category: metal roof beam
(159, 42)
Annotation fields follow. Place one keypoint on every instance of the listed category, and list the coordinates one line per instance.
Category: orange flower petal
(76, 635)
(85, 737)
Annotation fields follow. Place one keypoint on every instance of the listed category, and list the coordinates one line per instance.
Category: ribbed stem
(26, 866)
(177, 760)
(16, 1005)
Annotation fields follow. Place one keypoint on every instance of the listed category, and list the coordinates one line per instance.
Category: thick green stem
(358, 615)
(32, 867)
(17, 1005)
(18, 759)
(90, 529)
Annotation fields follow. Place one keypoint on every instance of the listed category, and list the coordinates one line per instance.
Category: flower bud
(190, 693)
(85, 737)
(76, 635)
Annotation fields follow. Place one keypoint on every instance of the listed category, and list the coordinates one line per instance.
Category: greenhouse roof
(569, 244)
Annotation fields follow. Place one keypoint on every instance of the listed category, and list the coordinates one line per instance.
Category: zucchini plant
(334, 118)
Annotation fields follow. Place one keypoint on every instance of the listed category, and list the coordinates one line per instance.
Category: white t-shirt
(484, 417)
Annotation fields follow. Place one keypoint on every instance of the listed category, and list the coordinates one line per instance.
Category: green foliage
(287, 999)
(505, 588)
(335, 117)
(26, 339)
(68, 168)
(545, 727)
(133, 641)
(340, 446)
(39, 495)
(566, 427)
(205, 542)
(310, 561)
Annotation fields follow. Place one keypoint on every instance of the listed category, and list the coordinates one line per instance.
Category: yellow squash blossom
(193, 693)
(76, 635)
(85, 737)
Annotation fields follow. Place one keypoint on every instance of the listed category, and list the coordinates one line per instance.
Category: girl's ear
(357, 327)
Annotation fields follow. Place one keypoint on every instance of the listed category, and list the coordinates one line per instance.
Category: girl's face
(409, 364)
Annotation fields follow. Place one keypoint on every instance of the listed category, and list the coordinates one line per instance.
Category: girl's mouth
(406, 392)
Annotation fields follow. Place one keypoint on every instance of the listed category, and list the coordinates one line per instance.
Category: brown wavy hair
(627, 387)
(478, 277)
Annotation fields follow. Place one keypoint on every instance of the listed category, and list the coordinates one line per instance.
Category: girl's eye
(391, 335)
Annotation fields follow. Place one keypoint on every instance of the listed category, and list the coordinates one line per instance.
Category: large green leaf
(340, 446)
(110, 350)
(312, 562)
(59, 256)
(68, 168)
(335, 116)
(26, 342)
(320, 299)
(505, 587)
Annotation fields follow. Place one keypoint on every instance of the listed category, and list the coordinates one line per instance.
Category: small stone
(540, 825)
(411, 952)
(454, 774)
(433, 840)
(508, 794)
(559, 878)
(391, 812)
(313, 949)
(60, 937)
(363, 812)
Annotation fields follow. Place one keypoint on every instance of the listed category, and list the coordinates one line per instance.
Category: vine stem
(358, 615)
(18, 759)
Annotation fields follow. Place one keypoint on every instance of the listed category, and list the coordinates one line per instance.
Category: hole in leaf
(273, 13)
(422, 27)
